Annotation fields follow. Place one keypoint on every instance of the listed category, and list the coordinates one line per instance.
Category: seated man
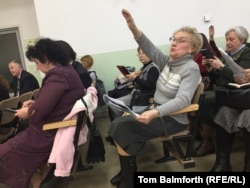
(23, 81)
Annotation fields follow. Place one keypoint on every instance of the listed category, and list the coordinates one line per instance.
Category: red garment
(24, 153)
(198, 60)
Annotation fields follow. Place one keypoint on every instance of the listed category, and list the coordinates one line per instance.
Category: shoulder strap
(90, 125)
(86, 106)
(80, 120)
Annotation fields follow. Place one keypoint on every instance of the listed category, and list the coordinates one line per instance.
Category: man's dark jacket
(28, 82)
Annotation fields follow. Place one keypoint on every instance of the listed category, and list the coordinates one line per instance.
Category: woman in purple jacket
(61, 88)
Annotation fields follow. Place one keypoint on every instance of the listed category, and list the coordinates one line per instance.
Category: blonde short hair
(196, 38)
(87, 61)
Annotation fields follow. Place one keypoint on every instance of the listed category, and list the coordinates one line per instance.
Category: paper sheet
(118, 105)
(237, 70)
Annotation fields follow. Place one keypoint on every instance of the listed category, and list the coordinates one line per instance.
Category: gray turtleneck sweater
(177, 82)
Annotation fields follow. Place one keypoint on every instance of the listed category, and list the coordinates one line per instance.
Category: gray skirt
(233, 120)
(132, 135)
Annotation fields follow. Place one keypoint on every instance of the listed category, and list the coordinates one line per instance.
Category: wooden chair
(35, 93)
(81, 120)
(173, 142)
(25, 97)
(8, 119)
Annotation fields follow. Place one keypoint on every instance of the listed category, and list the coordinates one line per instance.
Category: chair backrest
(6, 116)
(81, 120)
(35, 93)
(25, 97)
(197, 94)
(172, 143)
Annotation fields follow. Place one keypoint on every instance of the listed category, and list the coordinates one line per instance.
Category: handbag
(238, 98)
(96, 150)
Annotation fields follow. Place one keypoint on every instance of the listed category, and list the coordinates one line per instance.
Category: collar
(242, 46)
(145, 65)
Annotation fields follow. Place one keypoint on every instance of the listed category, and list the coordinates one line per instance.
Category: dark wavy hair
(64, 44)
(48, 49)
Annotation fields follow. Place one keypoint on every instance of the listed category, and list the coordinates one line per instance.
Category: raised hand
(131, 24)
(211, 32)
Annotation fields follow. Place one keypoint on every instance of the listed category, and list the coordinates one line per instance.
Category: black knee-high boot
(246, 135)
(224, 142)
(128, 167)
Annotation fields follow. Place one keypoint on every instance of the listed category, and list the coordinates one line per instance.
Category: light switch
(207, 18)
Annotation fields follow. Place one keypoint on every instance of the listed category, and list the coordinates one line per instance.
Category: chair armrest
(190, 108)
(59, 124)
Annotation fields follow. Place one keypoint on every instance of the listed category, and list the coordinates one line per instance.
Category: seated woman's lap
(132, 135)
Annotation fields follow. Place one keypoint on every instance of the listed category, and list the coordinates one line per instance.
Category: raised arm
(212, 43)
(131, 24)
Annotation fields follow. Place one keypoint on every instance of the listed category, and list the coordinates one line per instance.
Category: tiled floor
(101, 174)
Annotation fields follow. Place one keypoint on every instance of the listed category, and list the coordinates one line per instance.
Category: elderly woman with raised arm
(175, 88)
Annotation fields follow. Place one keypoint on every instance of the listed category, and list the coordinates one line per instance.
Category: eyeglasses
(178, 41)
(140, 54)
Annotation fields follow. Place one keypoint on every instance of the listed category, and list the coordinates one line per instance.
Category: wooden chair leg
(186, 162)
(167, 157)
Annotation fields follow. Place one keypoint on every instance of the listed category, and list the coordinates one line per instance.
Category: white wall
(19, 13)
(96, 26)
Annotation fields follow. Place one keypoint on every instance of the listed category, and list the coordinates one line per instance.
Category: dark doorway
(10, 48)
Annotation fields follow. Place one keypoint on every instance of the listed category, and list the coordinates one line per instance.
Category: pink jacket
(63, 150)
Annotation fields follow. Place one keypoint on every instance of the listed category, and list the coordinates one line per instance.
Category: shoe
(204, 148)
(84, 168)
(62, 182)
(221, 168)
(108, 138)
(116, 179)
(165, 159)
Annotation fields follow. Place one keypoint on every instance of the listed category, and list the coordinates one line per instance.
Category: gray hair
(241, 32)
(16, 62)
